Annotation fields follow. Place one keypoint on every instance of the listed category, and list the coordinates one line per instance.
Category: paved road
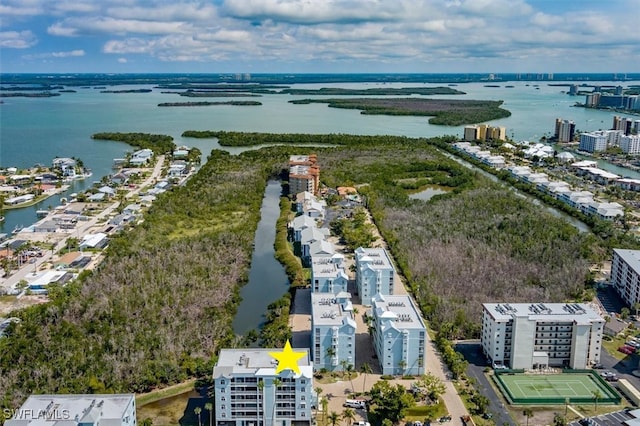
(477, 363)
(338, 392)
(29, 270)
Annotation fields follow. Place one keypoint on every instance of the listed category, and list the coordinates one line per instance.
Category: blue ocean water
(35, 130)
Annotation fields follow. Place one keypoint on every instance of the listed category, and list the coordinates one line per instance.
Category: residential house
(374, 272)
(328, 274)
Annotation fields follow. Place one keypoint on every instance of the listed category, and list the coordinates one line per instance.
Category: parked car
(361, 423)
(444, 419)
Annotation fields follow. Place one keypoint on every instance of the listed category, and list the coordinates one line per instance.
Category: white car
(361, 423)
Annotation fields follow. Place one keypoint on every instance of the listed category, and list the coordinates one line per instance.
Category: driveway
(472, 352)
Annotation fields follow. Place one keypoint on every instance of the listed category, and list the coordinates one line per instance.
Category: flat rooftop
(45, 410)
(398, 308)
(325, 267)
(326, 309)
(566, 312)
(630, 257)
(379, 256)
(256, 361)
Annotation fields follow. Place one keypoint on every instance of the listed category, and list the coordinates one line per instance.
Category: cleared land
(450, 112)
(521, 388)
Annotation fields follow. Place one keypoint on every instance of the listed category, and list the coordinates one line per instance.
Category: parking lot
(616, 418)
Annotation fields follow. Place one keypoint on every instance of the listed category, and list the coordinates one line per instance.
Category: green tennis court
(577, 387)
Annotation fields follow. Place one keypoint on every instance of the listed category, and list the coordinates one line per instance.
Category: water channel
(267, 278)
(578, 224)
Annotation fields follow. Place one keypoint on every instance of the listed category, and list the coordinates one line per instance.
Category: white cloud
(169, 12)
(122, 60)
(63, 54)
(94, 25)
(17, 39)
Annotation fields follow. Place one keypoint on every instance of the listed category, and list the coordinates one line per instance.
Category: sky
(319, 36)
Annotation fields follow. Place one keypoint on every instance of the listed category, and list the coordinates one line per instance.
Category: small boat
(17, 229)
(1, 218)
(42, 213)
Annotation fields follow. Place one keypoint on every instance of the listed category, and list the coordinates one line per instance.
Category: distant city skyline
(323, 36)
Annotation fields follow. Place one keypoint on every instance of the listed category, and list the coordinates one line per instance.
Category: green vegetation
(284, 255)
(390, 402)
(160, 306)
(355, 231)
(159, 144)
(378, 91)
(448, 112)
(276, 331)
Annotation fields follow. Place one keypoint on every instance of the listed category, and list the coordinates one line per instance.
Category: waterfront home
(67, 166)
(604, 211)
(299, 224)
(374, 272)
(141, 157)
(97, 197)
(19, 199)
(398, 335)
(248, 391)
(333, 331)
(328, 274)
(46, 226)
(177, 170)
(308, 236)
(629, 184)
(181, 152)
(119, 178)
(603, 177)
(321, 248)
(536, 178)
(495, 161)
(577, 199)
(76, 410)
(107, 190)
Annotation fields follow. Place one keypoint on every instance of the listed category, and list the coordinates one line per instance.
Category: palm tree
(318, 391)
(527, 412)
(365, 369)
(344, 364)
(325, 406)
(276, 384)
(209, 407)
(403, 365)
(596, 396)
(349, 415)
(334, 418)
(261, 401)
(330, 353)
(350, 372)
(198, 410)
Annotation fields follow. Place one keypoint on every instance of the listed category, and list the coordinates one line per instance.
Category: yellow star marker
(287, 359)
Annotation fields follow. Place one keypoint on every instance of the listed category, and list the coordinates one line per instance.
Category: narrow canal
(267, 278)
(578, 224)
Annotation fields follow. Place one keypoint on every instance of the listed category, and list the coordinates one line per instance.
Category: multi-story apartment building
(483, 132)
(76, 410)
(565, 130)
(333, 331)
(374, 273)
(249, 392)
(532, 335)
(304, 174)
(398, 335)
(328, 275)
(630, 144)
(625, 275)
(593, 142)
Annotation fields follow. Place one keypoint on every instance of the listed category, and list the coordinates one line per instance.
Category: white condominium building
(531, 335)
(374, 273)
(328, 274)
(248, 392)
(333, 331)
(625, 275)
(398, 335)
(76, 410)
